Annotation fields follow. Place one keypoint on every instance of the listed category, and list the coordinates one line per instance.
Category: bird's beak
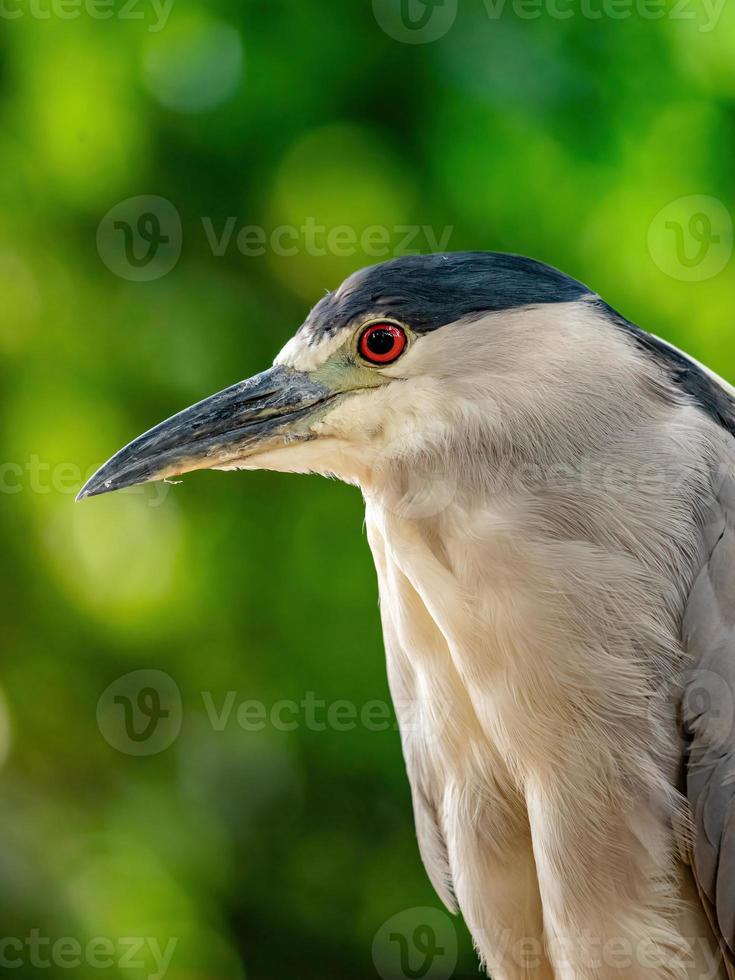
(269, 410)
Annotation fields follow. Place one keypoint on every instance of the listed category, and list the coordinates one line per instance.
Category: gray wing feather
(708, 715)
(726, 876)
(705, 854)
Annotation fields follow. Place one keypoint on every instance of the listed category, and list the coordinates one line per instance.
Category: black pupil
(380, 342)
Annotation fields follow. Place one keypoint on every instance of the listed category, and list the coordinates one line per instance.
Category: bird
(550, 504)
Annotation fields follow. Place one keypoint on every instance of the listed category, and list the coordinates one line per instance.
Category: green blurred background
(603, 145)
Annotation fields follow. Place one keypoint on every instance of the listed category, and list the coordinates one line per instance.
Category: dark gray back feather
(708, 712)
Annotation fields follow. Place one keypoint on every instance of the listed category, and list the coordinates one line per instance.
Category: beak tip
(93, 488)
(85, 492)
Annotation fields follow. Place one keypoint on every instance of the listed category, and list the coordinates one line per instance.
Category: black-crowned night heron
(551, 507)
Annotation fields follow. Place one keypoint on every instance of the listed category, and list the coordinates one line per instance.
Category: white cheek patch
(385, 417)
(303, 353)
(355, 416)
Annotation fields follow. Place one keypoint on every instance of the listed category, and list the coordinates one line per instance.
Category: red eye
(382, 343)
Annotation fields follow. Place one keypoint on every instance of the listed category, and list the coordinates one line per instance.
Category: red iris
(382, 343)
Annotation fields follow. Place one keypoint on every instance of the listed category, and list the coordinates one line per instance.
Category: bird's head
(399, 362)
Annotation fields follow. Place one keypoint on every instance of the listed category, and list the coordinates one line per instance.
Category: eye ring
(382, 343)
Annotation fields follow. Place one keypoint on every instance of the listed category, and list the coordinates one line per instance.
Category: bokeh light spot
(194, 65)
(21, 300)
(88, 137)
(333, 186)
(117, 557)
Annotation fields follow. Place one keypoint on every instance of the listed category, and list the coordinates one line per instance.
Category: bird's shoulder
(687, 376)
